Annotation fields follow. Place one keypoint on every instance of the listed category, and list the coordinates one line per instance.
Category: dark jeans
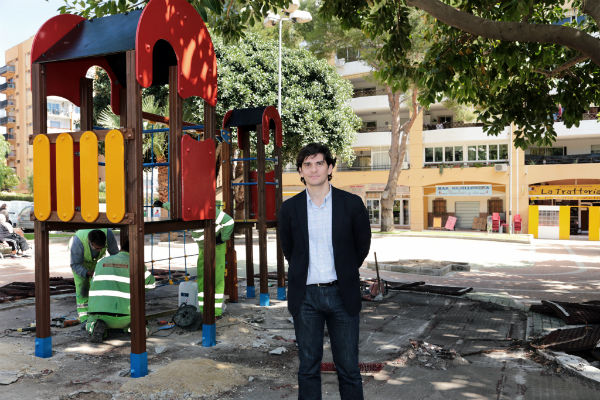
(324, 304)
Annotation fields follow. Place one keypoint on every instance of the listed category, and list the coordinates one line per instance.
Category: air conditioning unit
(501, 167)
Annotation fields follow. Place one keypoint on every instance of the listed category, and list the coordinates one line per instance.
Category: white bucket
(188, 293)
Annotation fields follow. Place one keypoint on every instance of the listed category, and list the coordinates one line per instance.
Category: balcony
(9, 137)
(7, 69)
(7, 120)
(376, 167)
(7, 86)
(568, 159)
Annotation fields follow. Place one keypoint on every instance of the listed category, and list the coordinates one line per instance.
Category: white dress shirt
(321, 264)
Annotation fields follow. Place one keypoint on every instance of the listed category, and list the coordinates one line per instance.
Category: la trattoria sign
(565, 192)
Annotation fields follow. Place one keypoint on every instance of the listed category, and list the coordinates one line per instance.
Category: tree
(8, 177)
(510, 58)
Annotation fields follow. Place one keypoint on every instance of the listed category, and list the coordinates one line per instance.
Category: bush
(8, 196)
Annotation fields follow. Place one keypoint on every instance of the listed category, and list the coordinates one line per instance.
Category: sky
(21, 19)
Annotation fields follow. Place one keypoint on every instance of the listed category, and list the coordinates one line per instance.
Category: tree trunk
(238, 192)
(163, 180)
(397, 152)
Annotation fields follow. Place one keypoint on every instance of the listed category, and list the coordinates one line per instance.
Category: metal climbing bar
(274, 159)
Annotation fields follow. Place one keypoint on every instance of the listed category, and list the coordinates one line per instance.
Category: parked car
(25, 219)
(14, 208)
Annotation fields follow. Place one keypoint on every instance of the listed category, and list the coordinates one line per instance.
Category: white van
(14, 208)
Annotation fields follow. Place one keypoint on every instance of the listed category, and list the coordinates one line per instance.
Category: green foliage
(314, 97)
(8, 196)
(8, 177)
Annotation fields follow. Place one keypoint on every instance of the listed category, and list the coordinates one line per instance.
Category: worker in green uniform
(87, 246)
(109, 301)
(223, 230)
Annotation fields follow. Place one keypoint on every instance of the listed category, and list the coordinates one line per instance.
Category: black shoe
(98, 331)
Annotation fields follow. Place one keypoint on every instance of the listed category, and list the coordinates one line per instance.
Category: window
(458, 153)
(482, 152)
(428, 154)
(449, 154)
(503, 152)
(595, 149)
(493, 152)
(369, 126)
(401, 212)
(380, 157)
(446, 120)
(53, 108)
(373, 208)
(439, 154)
(348, 53)
(54, 124)
(548, 218)
(472, 153)
(439, 206)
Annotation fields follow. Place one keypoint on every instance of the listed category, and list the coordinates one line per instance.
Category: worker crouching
(109, 296)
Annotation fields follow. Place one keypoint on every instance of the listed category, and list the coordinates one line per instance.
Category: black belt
(332, 283)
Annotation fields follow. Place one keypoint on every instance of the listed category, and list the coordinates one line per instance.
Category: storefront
(563, 211)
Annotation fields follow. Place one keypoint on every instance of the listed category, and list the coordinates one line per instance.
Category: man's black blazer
(351, 241)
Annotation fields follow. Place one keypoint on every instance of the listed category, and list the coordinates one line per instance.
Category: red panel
(51, 32)
(269, 114)
(269, 194)
(198, 184)
(177, 22)
(62, 79)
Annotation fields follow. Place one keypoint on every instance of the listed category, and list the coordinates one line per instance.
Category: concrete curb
(575, 365)
(494, 237)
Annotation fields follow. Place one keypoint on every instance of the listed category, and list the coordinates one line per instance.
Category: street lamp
(291, 13)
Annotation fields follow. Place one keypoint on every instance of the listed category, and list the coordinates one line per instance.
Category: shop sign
(565, 192)
(463, 190)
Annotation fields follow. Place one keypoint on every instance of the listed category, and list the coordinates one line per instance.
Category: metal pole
(279, 89)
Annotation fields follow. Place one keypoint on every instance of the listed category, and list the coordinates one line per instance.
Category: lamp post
(289, 14)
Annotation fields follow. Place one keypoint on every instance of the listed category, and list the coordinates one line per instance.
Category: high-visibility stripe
(220, 217)
(217, 295)
(82, 304)
(152, 286)
(147, 275)
(230, 222)
(82, 313)
(116, 278)
(113, 293)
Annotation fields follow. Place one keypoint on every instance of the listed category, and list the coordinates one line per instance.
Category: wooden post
(175, 134)
(208, 328)
(281, 294)
(86, 99)
(124, 231)
(261, 223)
(139, 357)
(43, 340)
(250, 290)
(231, 282)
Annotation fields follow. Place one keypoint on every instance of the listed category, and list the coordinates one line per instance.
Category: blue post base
(139, 364)
(43, 347)
(250, 292)
(281, 293)
(209, 335)
(264, 299)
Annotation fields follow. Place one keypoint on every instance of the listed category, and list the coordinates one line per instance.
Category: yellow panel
(564, 222)
(65, 180)
(42, 187)
(88, 175)
(115, 175)
(533, 221)
(594, 224)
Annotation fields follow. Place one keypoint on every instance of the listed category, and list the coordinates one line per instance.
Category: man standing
(87, 246)
(325, 236)
(109, 305)
(223, 230)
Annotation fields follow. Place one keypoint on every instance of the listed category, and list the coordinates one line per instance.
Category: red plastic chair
(495, 222)
(517, 223)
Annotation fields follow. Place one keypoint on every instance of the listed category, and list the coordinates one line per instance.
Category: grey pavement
(429, 346)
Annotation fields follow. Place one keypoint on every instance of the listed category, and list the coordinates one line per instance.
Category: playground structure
(265, 202)
(166, 42)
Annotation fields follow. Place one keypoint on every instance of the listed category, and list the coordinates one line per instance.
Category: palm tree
(155, 147)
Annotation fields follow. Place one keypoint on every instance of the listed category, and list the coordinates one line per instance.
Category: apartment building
(16, 110)
(453, 169)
